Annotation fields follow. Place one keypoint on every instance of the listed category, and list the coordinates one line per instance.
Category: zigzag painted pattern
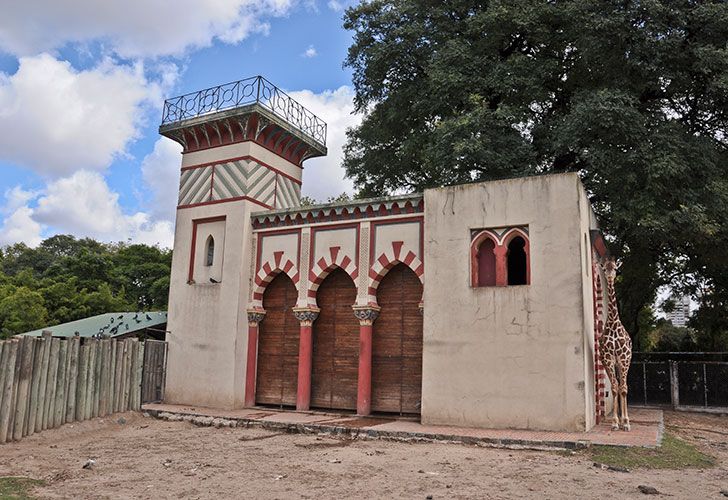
(194, 186)
(288, 194)
(235, 179)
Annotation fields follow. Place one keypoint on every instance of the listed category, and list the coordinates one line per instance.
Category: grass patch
(673, 454)
(16, 488)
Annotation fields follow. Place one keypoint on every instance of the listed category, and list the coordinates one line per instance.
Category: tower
(244, 144)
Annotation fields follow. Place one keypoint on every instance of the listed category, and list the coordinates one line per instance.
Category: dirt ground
(148, 458)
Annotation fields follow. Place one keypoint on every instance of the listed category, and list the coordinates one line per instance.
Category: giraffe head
(610, 267)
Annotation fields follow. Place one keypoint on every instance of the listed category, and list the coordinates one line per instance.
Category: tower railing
(241, 93)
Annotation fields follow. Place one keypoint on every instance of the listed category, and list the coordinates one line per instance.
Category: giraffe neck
(612, 311)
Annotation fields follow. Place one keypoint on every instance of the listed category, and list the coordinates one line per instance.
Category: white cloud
(56, 120)
(310, 52)
(160, 171)
(324, 177)
(133, 28)
(19, 226)
(84, 205)
(335, 5)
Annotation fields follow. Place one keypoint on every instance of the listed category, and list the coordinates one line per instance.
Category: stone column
(255, 316)
(306, 316)
(366, 316)
(501, 265)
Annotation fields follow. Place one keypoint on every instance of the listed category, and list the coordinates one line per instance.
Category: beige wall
(208, 322)
(516, 356)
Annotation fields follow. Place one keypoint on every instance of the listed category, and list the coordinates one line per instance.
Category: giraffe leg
(609, 368)
(624, 420)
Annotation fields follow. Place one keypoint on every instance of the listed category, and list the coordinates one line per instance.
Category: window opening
(517, 262)
(210, 253)
(486, 263)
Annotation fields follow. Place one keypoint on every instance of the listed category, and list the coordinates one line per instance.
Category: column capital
(255, 316)
(366, 314)
(306, 315)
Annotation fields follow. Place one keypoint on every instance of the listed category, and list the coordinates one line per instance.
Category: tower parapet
(250, 109)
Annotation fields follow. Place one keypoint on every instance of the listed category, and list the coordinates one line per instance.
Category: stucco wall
(510, 357)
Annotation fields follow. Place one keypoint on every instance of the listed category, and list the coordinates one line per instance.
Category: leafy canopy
(633, 95)
(65, 279)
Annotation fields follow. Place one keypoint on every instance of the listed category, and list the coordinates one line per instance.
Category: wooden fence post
(38, 345)
(112, 377)
(97, 378)
(8, 408)
(90, 379)
(3, 354)
(125, 375)
(103, 383)
(73, 379)
(118, 389)
(50, 405)
(24, 375)
(81, 383)
(138, 381)
(43, 383)
(58, 407)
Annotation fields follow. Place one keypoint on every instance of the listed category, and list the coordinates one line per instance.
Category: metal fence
(680, 384)
(255, 90)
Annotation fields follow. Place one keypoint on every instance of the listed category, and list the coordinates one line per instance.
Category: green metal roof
(107, 325)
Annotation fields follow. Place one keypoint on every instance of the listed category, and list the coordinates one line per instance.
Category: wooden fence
(46, 382)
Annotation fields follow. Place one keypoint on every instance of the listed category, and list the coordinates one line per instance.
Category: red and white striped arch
(327, 263)
(398, 253)
(268, 271)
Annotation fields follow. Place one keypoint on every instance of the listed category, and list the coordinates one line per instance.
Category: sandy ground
(148, 458)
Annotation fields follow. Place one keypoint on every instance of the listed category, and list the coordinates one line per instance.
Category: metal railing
(241, 93)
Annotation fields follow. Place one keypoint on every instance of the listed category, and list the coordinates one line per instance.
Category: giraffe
(615, 347)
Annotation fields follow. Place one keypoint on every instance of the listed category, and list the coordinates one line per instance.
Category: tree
(22, 310)
(65, 279)
(633, 95)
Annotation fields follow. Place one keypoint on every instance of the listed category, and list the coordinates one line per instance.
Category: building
(680, 314)
(469, 305)
(119, 325)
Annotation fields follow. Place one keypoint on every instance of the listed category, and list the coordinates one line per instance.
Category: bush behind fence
(46, 382)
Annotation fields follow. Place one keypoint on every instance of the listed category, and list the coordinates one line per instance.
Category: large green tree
(65, 279)
(633, 95)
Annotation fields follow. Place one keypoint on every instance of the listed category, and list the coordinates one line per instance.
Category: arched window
(486, 263)
(517, 262)
(209, 251)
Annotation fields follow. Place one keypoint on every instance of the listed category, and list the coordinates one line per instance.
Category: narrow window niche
(210, 251)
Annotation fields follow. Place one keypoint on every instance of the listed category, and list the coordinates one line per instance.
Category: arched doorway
(277, 378)
(397, 344)
(335, 345)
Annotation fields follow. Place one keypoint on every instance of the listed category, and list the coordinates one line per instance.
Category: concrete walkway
(646, 427)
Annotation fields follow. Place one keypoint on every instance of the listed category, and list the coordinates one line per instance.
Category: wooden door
(397, 344)
(335, 345)
(278, 336)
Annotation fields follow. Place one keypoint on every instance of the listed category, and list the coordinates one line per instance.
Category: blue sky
(81, 88)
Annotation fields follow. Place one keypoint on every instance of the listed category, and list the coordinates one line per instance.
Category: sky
(82, 83)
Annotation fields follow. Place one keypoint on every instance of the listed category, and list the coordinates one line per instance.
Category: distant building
(681, 313)
(118, 325)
